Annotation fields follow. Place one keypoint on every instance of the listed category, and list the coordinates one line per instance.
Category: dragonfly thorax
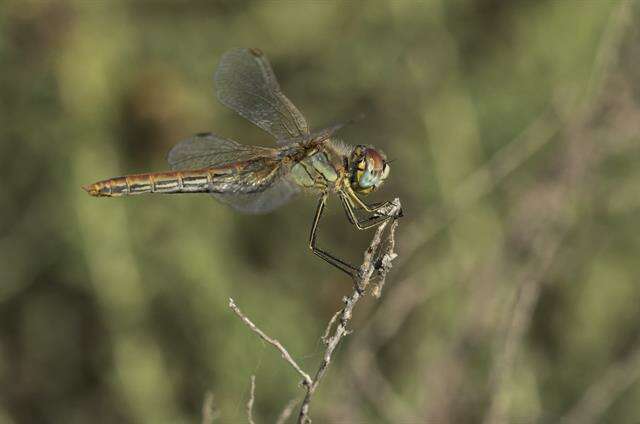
(318, 171)
(368, 168)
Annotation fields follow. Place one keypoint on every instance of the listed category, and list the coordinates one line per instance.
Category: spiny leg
(360, 204)
(351, 215)
(373, 208)
(327, 257)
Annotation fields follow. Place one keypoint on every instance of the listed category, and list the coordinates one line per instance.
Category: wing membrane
(276, 195)
(246, 83)
(208, 150)
(253, 181)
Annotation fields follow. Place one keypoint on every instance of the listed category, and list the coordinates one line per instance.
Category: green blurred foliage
(514, 128)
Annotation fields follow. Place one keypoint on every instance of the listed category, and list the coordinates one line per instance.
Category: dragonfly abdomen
(195, 181)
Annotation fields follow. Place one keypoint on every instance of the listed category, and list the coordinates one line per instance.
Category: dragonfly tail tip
(91, 189)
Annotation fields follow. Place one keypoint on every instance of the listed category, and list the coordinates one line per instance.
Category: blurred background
(514, 127)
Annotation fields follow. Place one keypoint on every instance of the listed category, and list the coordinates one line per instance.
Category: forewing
(246, 83)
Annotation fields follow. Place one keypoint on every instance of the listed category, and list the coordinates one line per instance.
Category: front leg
(361, 224)
(374, 208)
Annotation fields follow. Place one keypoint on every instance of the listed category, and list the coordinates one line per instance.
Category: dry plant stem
(382, 326)
(285, 354)
(332, 342)
(375, 260)
(209, 411)
(385, 260)
(252, 396)
(327, 331)
(368, 267)
(287, 411)
(530, 287)
(537, 135)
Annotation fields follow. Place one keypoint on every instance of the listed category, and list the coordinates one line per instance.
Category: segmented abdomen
(193, 181)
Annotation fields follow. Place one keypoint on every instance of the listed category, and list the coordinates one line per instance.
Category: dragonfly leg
(378, 205)
(374, 208)
(327, 257)
(361, 224)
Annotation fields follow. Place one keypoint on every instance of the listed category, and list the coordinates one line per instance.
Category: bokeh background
(514, 127)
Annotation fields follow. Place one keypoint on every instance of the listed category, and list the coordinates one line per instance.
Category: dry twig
(252, 396)
(368, 267)
(376, 260)
(283, 351)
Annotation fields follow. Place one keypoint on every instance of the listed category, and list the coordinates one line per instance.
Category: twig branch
(283, 351)
(385, 261)
(252, 396)
(368, 267)
(376, 260)
(327, 331)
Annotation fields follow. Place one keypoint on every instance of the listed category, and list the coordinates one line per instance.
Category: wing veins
(246, 74)
(287, 114)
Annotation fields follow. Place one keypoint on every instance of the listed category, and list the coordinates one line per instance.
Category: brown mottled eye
(369, 169)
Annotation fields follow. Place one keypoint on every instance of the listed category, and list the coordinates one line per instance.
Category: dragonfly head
(369, 169)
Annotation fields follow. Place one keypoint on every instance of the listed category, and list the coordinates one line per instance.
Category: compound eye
(367, 178)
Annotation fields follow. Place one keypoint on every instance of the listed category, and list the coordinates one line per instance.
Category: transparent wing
(208, 150)
(253, 180)
(246, 83)
(276, 195)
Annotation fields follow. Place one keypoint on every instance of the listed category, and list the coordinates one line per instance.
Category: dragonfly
(257, 179)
